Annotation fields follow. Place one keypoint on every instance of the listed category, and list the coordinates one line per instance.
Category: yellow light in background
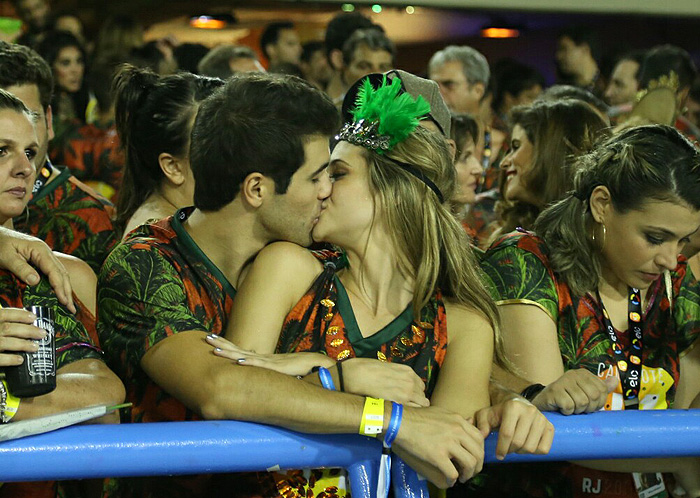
(376, 8)
(348, 7)
(410, 9)
(206, 22)
(500, 33)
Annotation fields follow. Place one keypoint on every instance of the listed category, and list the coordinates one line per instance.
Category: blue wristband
(326, 380)
(394, 424)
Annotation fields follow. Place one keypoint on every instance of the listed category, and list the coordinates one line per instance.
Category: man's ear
(173, 168)
(48, 115)
(255, 188)
(480, 89)
(601, 203)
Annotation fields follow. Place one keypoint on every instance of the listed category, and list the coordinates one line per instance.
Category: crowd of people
(334, 245)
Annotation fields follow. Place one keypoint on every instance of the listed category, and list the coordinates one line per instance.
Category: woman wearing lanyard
(599, 287)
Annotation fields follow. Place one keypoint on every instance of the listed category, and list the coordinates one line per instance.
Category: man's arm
(79, 384)
(433, 440)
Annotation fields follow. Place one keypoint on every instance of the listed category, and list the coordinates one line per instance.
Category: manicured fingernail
(218, 350)
(240, 360)
(212, 336)
(33, 279)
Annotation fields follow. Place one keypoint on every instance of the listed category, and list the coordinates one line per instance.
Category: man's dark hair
(583, 34)
(372, 39)
(12, 103)
(308, 50)
(256, 123)
(188, 56)
(285, 68)
(513, 77)
(20, 65)
(637, 56)
(342, 26)
(663, 59)
(271, 34)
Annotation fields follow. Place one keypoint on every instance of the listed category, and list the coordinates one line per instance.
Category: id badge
(650, 485)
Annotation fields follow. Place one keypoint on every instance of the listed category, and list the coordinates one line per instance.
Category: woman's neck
(609, 285)
(376, 278)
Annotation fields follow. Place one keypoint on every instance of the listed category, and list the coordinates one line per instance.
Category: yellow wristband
(8, 404)
(372, 422)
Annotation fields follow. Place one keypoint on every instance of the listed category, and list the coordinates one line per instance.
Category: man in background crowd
(578, 50)
(280, 44)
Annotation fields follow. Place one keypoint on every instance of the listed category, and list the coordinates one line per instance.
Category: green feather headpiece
(383, 117)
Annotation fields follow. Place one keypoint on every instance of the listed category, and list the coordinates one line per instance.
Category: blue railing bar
(228, 446)
(169, 448)
(617, 434)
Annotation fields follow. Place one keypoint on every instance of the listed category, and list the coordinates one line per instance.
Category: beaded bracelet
(394, 424)
(8, 403)
(372, 422)
(326, 379)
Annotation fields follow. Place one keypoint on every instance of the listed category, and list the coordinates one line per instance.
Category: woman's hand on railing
(298, 364)
(379, 379)
(577, 391)
(522, 428)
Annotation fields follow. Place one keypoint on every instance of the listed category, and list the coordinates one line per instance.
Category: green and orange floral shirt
(74, 341)
(93, 155)
(323, 322)
(155, 284)
(71, 218)
(518, 271)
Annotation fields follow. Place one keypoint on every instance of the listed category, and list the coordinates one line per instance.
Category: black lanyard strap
(42, 177)
(628, 364)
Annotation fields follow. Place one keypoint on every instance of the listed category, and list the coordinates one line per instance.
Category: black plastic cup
(37, 374)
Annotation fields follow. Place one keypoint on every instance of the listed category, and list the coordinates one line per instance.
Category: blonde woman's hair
(435, 248)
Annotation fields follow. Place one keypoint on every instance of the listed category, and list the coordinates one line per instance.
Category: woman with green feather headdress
(379, 298)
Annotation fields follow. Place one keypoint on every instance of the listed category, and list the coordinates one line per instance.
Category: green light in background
(410, 9)
(376, 8)
(348, 7)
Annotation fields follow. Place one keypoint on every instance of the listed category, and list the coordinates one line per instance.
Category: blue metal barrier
(90, 451)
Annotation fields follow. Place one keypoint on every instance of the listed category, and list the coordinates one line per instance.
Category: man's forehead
(365, 52)
(27, 93)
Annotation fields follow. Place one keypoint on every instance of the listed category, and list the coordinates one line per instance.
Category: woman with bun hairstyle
(154, 117)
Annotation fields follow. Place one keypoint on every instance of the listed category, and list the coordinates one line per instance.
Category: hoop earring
(594, 238)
